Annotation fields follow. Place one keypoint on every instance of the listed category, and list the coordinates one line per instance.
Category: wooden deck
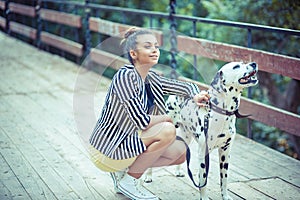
(44, 121)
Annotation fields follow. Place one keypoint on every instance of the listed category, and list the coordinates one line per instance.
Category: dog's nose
(254, 65)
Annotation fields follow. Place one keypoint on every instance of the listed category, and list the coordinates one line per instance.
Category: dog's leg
(202, 171)
(224, 164)
(179, 171)
(148, 176)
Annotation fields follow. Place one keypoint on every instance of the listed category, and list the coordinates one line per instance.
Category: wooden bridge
(48, 107)
(43, 156)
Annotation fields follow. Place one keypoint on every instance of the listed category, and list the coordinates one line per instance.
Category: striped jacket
(125, 111)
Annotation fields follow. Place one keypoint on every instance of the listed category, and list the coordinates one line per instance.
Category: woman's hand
(202, 98)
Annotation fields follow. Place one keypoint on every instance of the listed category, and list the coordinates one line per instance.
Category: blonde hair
(129, 42)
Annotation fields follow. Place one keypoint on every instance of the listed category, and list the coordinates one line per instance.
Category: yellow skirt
(108, 164)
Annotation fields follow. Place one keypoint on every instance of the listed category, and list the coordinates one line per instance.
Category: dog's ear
(218, 81)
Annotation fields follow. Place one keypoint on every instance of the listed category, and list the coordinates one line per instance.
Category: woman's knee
(168, 131)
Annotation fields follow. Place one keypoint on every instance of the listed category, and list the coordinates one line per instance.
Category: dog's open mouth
(251, 78)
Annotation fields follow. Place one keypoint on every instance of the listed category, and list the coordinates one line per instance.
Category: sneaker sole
(132, 196)
(116, 188)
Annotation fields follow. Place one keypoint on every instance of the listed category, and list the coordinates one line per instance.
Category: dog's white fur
(225, 92)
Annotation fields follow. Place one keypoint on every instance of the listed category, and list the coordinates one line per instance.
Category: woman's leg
(162, 149)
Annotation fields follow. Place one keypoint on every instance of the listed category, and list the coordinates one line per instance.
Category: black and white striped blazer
(125, 111)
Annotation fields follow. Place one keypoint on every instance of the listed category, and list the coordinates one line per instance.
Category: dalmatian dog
(221, 112)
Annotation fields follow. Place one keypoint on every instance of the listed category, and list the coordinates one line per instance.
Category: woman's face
(147, 50)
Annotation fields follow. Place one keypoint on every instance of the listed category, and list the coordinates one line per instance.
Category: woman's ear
(132, 54)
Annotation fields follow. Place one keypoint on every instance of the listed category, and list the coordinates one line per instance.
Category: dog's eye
(236, 67)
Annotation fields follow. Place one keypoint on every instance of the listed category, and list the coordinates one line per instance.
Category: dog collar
(228, 113)
(220, 110)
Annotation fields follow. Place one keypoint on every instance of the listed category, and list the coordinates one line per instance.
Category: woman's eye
(147, 47)
(157, 47)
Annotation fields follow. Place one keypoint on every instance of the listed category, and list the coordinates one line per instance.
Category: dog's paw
(148, 179)
(226, 197)
(179, 171)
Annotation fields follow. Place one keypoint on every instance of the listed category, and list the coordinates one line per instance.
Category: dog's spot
(199, 121)
(226, 166)
(202, 129)
(215, 101)
(221, 175)
(228, 140)
(223, 158)
(221, 165)
(211, 138)
(202, 165)
(236, 67)
(170, 108)
(230, 89)
(193, 128)
(225, 175)
(204, 175)
(221, 135)
(216, 119)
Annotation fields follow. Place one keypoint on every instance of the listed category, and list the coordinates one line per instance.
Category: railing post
(173, 38)
(249, 121)
(87, 34)
(7, 16)
(194, 56)
(38, 23)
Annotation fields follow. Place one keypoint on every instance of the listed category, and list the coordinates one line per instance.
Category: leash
(228, 113)
(188, 156)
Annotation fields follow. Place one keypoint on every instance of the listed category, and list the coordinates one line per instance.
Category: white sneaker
(132, 188)
(117, 176)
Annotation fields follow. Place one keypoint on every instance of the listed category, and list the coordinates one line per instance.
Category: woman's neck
(142, 70)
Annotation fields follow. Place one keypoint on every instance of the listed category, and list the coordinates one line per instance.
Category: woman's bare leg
(162, 149)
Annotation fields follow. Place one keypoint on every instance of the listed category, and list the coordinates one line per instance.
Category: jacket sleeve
(127, 89)
(175, 87)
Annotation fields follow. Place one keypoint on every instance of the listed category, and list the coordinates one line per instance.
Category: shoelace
(140, 188)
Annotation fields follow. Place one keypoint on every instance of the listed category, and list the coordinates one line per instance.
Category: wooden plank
(247, 192)
(61, 18)
(27, 180)
(272, 116)
(23, 30)
(22, 9)
(276, 188)
(2, 22)
(107, 59)
(9, 183)
(269, 62)
(62, 43)
(116, 29)
(255, 157)
(266, 114)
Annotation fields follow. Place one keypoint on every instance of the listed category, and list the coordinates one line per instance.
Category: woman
(133, 132)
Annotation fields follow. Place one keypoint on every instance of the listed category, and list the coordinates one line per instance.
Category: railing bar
(183, 17)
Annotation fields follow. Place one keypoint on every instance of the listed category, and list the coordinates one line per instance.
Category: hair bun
(130, 32)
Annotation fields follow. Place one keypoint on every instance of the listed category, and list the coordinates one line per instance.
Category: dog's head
(235, 75)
